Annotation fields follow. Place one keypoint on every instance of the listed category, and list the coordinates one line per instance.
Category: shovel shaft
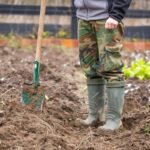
(40, 30)
(39, 42)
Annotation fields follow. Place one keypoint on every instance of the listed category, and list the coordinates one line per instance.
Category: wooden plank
(34, 10)
(26, 29)
(138, 13)
(136, 22)
(140, 4)
(138, 32)
(37, 2)
(19, 19)
(136, 46)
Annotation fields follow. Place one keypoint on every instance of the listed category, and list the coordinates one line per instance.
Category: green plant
(2, 36)
(139, 69)
(147, 128)
(47, 34)
(32, 36)
(62, 34)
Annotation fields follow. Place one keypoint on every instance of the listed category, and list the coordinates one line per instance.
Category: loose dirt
(54, 127)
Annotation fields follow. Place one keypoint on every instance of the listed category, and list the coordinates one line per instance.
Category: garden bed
(54, 127)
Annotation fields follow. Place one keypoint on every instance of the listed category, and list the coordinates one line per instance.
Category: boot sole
(80, 122)
(103, 131)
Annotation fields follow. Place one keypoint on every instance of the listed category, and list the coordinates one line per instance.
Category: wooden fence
(21, 16)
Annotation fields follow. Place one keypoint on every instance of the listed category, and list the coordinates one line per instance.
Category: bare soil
(54, 127)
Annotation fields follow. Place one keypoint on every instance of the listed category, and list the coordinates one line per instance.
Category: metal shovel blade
(33, 96)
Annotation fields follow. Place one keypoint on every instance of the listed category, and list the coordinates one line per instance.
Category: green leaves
(139, 69)
(147, 128)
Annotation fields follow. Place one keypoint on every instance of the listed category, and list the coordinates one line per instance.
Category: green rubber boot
(115, 93)
(96, 98)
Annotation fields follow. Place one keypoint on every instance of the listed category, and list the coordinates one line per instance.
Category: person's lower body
(100, 59)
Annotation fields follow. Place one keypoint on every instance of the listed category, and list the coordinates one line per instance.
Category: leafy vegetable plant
(139, 69)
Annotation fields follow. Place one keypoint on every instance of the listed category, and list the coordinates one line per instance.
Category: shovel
(33, 95)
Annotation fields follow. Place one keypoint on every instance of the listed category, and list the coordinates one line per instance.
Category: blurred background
(21, 17)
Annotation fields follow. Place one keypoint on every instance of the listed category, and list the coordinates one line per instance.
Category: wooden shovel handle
(40, 30)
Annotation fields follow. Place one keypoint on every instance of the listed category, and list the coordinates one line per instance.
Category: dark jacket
(118, 8)
(101, 9)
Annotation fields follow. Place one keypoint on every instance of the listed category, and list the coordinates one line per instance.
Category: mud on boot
(96, 98)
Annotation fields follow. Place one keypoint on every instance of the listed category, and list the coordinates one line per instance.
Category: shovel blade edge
(33, 96)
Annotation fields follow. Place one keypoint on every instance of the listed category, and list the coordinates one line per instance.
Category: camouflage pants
(99, 50)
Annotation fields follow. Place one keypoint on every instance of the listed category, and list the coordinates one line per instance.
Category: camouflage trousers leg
(100, 50)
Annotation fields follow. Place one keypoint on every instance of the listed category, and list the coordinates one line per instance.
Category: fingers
(111, 24)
